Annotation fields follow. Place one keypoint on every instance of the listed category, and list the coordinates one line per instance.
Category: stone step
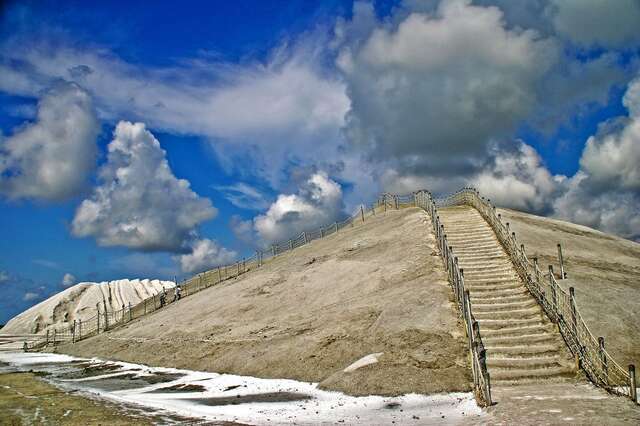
(485, 298)
(505, 306)
(491, 280)
(484, 288)
(516, 314)
(486, 332)
(530, 373)
(523, 339)
(503, 324)
(490, 267)
(524, 363)
(522, 351)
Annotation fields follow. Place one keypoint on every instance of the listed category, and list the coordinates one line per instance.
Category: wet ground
(146, 395)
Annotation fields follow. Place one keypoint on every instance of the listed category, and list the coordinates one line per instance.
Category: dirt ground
(379, 287)
(603, 269)
(25, 400)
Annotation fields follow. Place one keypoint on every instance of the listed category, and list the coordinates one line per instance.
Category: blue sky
(160, 141)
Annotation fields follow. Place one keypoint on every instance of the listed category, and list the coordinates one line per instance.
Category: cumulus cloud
(4, 276)
(51, 158)
(432, 90)
(605, 193)
(139, 203)
(317, 203)
(205, 254)
(601, 22)
(68, 280)
(242, 229)
(518, 179)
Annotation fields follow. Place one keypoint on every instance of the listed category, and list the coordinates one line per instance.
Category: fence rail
(559, 305)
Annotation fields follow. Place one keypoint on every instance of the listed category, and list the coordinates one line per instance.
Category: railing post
(220, 274)
(258, 258)
(73, 332)
(98, 317)
(553, 291)
(47, 338)
(145, 306)
(373, 210)
(54, 336)
(79, 329)
(395, 200)
(561, 260)
(106, 318)
(238, 262)
(130, 314)
(603, 360)
(572, 300)
(632, 383)
(273, 252)
(362, 212)
(304, 236)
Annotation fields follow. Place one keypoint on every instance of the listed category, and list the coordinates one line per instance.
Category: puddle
(211, 397)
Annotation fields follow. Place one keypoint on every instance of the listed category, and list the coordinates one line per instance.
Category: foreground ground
(377, 288)
(603, 269)
(25, 399)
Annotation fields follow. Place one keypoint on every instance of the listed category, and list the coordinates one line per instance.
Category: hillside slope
(603, 269)
(376, 288)
(79, 302)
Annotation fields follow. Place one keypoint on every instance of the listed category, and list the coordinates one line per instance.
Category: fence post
(373, 210)
(47, 338)
(130, 314)
(395, 200)
(304, 236)
(632, 383)
(79, 329)
(321, 233)
(219, 275)
(553, 290)
(603, 360)
(54, 336)
(98, 317)
(290, 244)
(362, 212)
(561, 260)
(572, 300)
(237, 268)
(145, 306)
(106, 318)
(73, 332)
(259, 258)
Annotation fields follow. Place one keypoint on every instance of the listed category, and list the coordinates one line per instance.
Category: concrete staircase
(522, 344)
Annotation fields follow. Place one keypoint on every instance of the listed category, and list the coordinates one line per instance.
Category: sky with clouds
(141, 142)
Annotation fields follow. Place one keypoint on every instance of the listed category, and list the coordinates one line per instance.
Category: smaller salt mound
(79, 303)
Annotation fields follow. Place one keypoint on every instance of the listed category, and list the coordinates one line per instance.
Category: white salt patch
(318, 407)
(365, 360)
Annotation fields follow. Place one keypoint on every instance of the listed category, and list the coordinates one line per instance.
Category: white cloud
(613, 156)
(430, 91)
(68, 280)
(4, 276)
(52, 158)
(603, 22)
(255, 109)
(205, 254)
(139, 203)
(243, 230)
(518, 179)
(605, 193)
(317, 203)
(244, 196)
(29, 296)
